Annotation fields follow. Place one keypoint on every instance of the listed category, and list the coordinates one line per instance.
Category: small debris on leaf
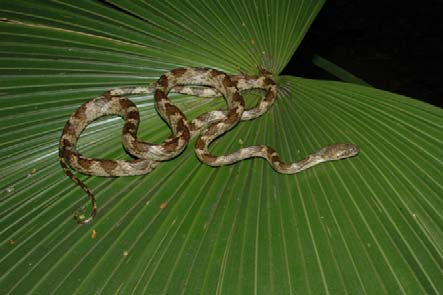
(33, 171)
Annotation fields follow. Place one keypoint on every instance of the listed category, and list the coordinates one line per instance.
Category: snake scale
(207, 126)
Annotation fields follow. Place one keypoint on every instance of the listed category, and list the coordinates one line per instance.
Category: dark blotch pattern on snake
(207, 126)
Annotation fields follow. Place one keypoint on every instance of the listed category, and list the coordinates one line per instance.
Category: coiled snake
(209, 126)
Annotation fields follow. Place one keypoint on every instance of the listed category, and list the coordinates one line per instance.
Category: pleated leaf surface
(371, 224)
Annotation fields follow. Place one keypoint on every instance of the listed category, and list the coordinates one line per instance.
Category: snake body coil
(209, 126)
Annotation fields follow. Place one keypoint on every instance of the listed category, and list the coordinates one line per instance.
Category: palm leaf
(370, 224)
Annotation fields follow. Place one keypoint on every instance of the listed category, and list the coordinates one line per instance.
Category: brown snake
(209, 126)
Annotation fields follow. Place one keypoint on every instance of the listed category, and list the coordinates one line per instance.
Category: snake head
(339, 151)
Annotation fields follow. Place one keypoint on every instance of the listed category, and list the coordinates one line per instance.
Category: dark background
(392, 45)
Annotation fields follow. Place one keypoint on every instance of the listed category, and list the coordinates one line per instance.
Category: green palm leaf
(370, 224)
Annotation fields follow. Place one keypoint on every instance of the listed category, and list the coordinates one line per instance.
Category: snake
(204, 82)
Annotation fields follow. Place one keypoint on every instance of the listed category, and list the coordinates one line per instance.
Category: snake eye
(348, 150)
